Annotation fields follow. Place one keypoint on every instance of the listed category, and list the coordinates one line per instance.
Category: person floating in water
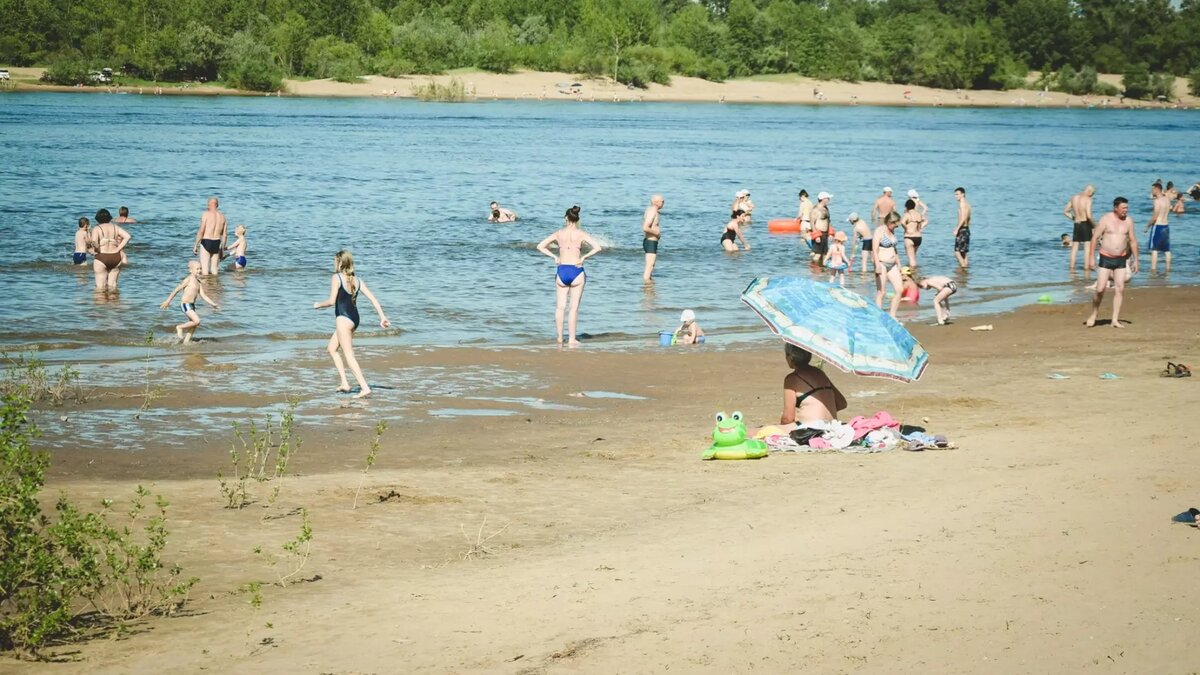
(82, 242)
(123, 217)
(569, 277)
(499, 215)
(212, 235)
(190, 287)
(238, 250)
(344, 287)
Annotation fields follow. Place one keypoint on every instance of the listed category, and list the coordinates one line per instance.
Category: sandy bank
(1042, 545)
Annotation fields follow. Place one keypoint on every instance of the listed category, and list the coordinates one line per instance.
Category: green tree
(616, 25)
(200, 50)
(247, 63)
(495, 47)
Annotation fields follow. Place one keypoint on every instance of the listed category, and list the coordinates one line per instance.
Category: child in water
(1066, 240)
(191, 288)
(944, 287)
(81, 242)
(835, 259)
(238, 250)
(909, 291)
(689, 332)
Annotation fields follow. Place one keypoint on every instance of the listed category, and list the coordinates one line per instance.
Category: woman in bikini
(344, 288)
(887, 261)
(914, 223)
(569, 277)
(108, 241)
(733, 231)
(808, 394)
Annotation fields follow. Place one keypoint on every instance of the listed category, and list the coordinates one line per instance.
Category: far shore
(556, 86)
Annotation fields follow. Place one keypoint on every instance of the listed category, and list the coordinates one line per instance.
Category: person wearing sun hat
(909, 292)
(689, 332)
(922, 207)
(883, 206)
(836, 260)
(741, 202)
(820, 226)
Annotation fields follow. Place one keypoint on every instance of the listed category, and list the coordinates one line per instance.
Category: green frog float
(730, 442)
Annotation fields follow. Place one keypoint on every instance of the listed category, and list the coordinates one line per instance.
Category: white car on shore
(4, 74)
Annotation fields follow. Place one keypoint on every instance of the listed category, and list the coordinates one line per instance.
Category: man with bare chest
(1114, 239)
(212, 235)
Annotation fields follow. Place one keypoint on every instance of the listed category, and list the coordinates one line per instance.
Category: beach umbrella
(838, 325)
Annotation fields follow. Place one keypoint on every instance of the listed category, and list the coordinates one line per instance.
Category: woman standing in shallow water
(344, 288)
(569, 277)
(108, 243)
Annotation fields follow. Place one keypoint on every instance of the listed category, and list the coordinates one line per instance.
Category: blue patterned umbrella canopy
(837, 325)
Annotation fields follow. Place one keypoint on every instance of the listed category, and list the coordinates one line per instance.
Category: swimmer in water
(499, 215)
(1066, 240)
(569, 277)
(123, 217)
(82, 242)
(344, 288)
(944, 287)
(733, 230)
(190, 286)
(238, 250)
(108, 243)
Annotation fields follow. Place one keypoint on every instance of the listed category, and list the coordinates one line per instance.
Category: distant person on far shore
(108, 243)
(1079, 210)
(82, 242)
(805, 214)
(914, 230)
(862, 232)
(944, 287)
(238, 250)
(569, 277)
(191, 288)
(883, 206)
(962, 231)
(123, 217)
(820, 226)
(887, 261)
(1160, 233)
(344, 287)
(651, 233)
(1116, 243)
(733, 230)
(741, 202)
(500, 215)
(212, 235)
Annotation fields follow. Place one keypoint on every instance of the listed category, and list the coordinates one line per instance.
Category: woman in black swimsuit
(913, 223)
(808, 394)
(344, 288)
(733, 230)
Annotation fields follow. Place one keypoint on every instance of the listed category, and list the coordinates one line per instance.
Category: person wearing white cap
(741, 202)
(862, 235)
(883, 206)
(922, 207)
(820, 225)
(689, 332)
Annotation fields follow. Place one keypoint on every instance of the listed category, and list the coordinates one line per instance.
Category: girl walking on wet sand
(569, 274)
(344, 288)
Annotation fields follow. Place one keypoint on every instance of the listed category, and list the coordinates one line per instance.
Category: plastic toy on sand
(730, 442)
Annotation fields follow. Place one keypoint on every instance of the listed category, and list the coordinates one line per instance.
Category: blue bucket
(665, 337)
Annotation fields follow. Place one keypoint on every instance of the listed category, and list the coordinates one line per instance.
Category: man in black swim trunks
(650, 235)
(1115, 240)
(820, 226)
(1079, 210)
(212, 235)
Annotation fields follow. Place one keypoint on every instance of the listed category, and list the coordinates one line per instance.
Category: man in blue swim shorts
(1160, 234)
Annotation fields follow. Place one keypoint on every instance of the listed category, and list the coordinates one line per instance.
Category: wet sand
(779, 89)
(1042, 544)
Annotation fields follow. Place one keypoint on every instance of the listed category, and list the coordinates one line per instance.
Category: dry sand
(532, 85)
(1043, 544)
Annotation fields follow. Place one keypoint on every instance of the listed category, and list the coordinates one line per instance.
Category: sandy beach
(776, 89)
(1043, 543)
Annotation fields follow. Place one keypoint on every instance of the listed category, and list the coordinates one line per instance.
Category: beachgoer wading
(733, 231)
(914, 223)
(820, 226)
(569, 277)
(1158, 227)
(496, 214)
(212, 236)
(883, 206)
(962, 231)
(344, 287)
(108, 243)
(887, 262)
(1114, 239)
(651, 233)
(1079, 210)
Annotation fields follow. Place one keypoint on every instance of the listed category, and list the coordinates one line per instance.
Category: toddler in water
(835, 259)
(191, 288)
(689, 332)
(81, 242)
(909, 291)
(238, 250)
(945, 287)
(1066, 240)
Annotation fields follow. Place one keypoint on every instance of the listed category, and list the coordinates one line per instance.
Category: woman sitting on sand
(887, 261)
(808, 394)
(733, 230)
(108, 244)
(344, 288)
(569, 275)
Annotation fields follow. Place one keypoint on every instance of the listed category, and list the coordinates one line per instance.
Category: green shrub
(494, 48)
(247, 63)
(330, 57)
(453, 91)
(1194, 82)
(1136, 81)
(68, 72)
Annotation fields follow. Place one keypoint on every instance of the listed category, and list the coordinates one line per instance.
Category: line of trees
(984, 44)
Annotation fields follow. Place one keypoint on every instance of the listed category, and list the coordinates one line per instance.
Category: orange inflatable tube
(784, 226)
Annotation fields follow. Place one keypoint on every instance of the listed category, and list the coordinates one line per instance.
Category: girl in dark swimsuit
(344, 288)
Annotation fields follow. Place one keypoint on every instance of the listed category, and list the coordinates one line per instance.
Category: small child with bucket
(688, 333)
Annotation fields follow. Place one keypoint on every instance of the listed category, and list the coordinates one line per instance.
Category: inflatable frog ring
(730, 442)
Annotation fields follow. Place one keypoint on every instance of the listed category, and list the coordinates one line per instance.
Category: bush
(249, 64)
(453, 91)
(495, 49)
(1136, 81)
(433, 43)
(330, 57)
(68, 72)
(1194, 82)
(51, 570)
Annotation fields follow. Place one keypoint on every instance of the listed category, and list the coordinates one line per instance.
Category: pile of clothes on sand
(877, 433)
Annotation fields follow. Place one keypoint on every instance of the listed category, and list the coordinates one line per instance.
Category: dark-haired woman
(569, 274)
(913, 222)
(108, 241)
(733, 231)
